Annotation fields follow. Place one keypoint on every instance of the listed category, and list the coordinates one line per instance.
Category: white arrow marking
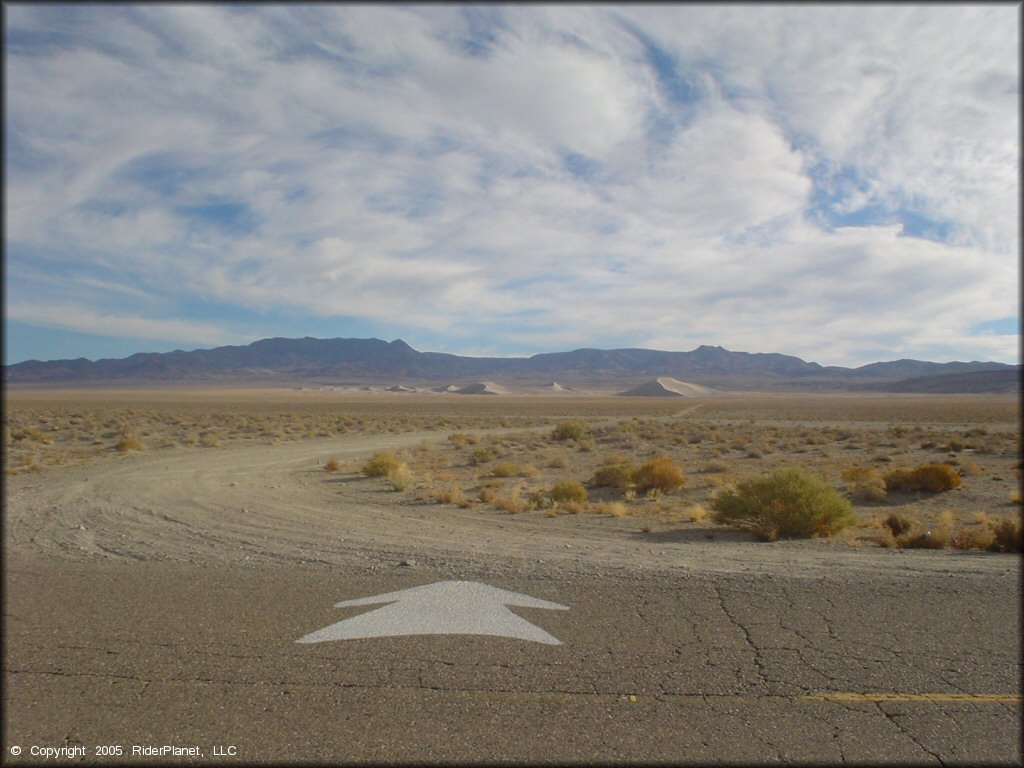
(442, 608)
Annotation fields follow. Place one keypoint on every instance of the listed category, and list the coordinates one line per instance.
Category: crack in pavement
(758, 655)
(891, 717)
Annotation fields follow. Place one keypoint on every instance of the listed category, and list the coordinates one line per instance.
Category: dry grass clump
(381, 464)
(977, 537)
(788, 503)
(510, 502)
(613, 508)
(934, 537)
(1009, 535)
(401, 477)
(129, 442)
(716, 467)
(661, 473)
(506, 469)
(573, 429)
(333, 465)
(481, 456)
(898, 525)
(568, 491)
(449, 494)
(864, 483)
(697, 513)
(969, 467)
(619, 476)
(900, 531)
(927, 478)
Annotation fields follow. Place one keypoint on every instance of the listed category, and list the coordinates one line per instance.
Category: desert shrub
(935, 478)
(450, 494)
(787, 502)
(921, 540)
(129, 442)
(697, 513)
(506, 469)
(400, 477)
(970, 467)
(864, 483)
(927, 478)
(381, 464)
(614, 476)
(898, 524)
(510, 502)
(978, 537)
(613, 508)
(569, 490)
(660, 472)
(332, 465)
(1008, 536)
(482, 456)
(573, 429)
(936, 536)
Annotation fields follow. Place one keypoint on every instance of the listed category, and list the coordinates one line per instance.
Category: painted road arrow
(442, 608)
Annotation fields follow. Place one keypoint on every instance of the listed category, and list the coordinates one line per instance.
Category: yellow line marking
(999, 698)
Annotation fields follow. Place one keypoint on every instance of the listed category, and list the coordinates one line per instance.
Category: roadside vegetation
(948, 476)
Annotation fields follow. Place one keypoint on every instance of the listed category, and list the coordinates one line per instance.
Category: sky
(835, 182)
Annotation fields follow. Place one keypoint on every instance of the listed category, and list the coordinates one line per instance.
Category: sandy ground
(256, 504)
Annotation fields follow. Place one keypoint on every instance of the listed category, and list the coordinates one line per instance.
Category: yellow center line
(698, 699)
(999, 698)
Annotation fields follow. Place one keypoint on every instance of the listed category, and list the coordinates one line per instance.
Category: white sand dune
(665, 386)
(482, 388)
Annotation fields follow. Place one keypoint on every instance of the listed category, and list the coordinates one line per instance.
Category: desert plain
(164, 549)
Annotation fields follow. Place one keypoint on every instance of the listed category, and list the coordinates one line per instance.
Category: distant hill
(365, 361)
(972, 382)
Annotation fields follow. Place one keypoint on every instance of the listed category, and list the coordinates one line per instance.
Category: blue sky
(839, 183)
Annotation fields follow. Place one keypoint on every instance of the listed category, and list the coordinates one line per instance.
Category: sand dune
(664, 386)
(482, 388)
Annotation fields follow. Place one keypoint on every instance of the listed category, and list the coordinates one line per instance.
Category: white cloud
(543, 182)
(84, 319)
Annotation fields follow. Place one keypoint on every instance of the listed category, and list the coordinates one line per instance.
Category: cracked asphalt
(656, 665)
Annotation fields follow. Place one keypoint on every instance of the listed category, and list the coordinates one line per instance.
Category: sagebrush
(787, 503)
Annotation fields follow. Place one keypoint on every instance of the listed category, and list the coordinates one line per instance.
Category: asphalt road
(653, 665)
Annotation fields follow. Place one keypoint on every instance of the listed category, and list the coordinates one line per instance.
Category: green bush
(568, 490)
(660, 472)
(788, 502)
(574, 429)
(927, 478)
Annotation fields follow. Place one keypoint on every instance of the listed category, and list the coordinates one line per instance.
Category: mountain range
(346, 362)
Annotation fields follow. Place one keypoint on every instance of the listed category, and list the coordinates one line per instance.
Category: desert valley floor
(165, 549)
